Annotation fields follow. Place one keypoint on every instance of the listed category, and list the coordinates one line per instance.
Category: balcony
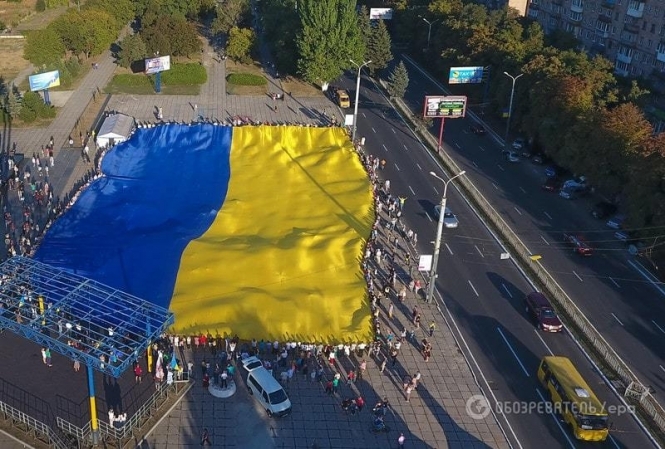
(626, 58)
(577, 6)
(635, 9)
(628, 39)
(575, 16)
(631, 27)
(534, 5)
(534, 13)
(660, 52)
(621, 69)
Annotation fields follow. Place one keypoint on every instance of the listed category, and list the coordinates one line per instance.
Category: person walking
(400, 441)
(393, 357)
(408, 391)
(205, 438)
(390, 311)
(432, 326)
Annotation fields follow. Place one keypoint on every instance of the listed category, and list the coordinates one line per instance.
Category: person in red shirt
(360, 402)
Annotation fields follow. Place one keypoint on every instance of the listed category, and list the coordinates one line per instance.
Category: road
(482, 293)
(626, 308)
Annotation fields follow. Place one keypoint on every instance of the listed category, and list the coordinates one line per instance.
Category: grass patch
(299, 88)
(246, 79)
(12, 61)
(233, 89)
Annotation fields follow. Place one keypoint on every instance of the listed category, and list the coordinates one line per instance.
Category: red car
(579, 244)
(551, 185)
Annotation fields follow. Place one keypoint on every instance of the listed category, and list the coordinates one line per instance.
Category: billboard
(159, 64)
(380, 13)
(446, 107)
(465, 75)
(44, 81)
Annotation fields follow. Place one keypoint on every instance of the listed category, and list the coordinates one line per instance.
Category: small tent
(115, 129)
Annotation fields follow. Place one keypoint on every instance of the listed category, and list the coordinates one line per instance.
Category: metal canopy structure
(101, 327)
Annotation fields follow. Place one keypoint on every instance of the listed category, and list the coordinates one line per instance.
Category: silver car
(449, 219)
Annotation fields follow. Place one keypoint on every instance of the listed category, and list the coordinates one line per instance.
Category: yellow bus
(573, 399)
(343, 99)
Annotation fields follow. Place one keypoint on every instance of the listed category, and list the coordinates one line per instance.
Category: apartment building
(631, 33)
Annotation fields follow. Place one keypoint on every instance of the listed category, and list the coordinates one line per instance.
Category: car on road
(539, 158)
(551, 184)
(571, 193)
(478, 130)
(519, 144)
(616, 222)
(540, 310)
(554, 171)
(449, 218)
(603, 209)
(579, 244)
(511, 156)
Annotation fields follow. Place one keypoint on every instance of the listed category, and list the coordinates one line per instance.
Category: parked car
(603, 209)
(519, 144)
(539, 158)
(616, 222)
(551, 184)
(573, 191)
(478, 130)
(579, 244)
(540, 310)
(265, 388)
(575, 183)
(449, 219)
(511, 156)
(554, 171)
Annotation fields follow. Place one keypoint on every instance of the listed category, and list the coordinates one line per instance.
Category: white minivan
(265, 388)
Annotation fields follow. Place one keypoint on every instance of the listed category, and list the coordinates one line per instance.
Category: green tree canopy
(282, 25)
(171, 35)
(228, 14)
(43, 47)
(240, 44)
(132, 49)
(398, 81)
(328, 39)
(378, 48)
(122, 10)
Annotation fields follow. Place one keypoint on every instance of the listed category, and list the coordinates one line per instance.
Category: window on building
(653, 28)
(644, 25)
(576, 16)
(660, 48)
(650, 43)
(641, 40)
(622, 66)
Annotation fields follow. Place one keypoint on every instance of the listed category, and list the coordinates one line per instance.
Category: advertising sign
(465, 75)
(380, 13)
(425, 262)
(159, 64)
(44, 81)
(446, 107)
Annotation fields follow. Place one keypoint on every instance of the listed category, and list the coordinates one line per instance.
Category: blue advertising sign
(44, 81)
(465, 75)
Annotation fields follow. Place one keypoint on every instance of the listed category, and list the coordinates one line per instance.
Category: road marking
(543, 341)
(522, 189)
(661, 367)
(474, 289)
(615, 283)
(500, 167)
(430, 218)
(506, 289)
(373, 130)
(436, 191)
(517, 210)
(364, 115)
(659, 328)
(556, 420)
(397, 167)
(648, 276)
(457, 145)
(419, 167)
(412, 190)
(548, 215)
(479, 251)
(578, 276)
(546, 242)
(614, 442)
(394, 132)
(449, 250)
(384, 147)
(513, 351)
(494, 185)
(405, 147)
(618, 320)
(481, 148)
(474, 164)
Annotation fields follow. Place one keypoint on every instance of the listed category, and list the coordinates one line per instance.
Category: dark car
(554, 171)
(603, 209)
(478, 130)
(540, 310)
(539, 158)
(552, 184)
(579, 244)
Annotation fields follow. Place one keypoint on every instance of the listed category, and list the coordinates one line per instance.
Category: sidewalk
(435, 416)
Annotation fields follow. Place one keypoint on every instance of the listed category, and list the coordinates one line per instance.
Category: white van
(265, 388)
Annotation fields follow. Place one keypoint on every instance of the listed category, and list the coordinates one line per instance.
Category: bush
(3, 26)
(40, 6)
(47, 111)
(73, 66)
(27, 115)
(246, 79)
(129, 80)
(185, 75)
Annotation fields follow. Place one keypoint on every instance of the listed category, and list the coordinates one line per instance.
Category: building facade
(631, 33)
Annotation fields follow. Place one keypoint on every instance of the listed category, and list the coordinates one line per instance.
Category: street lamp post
(510, 106)
(429, 31)
(439, 232)
(355, 106)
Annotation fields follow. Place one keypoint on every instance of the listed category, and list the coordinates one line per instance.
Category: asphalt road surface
(483, 294)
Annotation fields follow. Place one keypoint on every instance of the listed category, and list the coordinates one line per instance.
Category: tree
(281, 24)
(132, 49)
(13, 102)
(229, 13)
(99, 29)
(365, 26)
(378, 48)
(122, 10)
(43, 47)
(171, 35)
(240, 44)
(398, 81)
(328, 39)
